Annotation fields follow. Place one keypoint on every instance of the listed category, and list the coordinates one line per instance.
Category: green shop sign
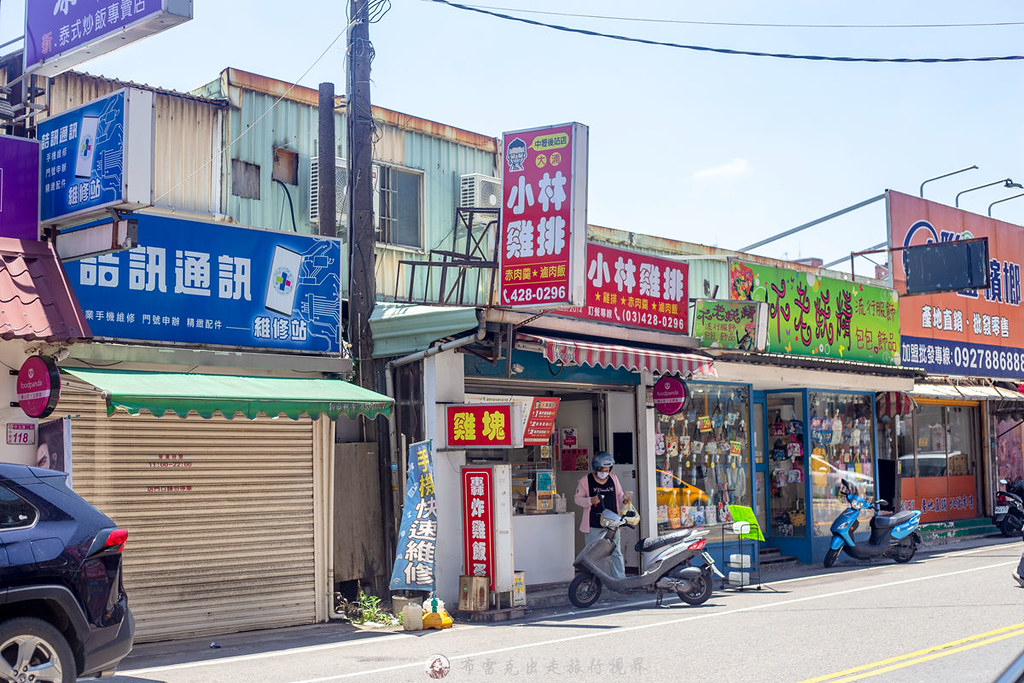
(721, 324)
(821, 316)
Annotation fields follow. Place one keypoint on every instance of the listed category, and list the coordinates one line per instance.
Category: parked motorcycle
(892, 536)
(1008, 513)
(668, 568)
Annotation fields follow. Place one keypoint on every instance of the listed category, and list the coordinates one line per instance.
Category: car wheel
(32, 649)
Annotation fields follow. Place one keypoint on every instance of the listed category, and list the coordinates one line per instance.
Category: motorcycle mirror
(881, 501)
(1003, 482)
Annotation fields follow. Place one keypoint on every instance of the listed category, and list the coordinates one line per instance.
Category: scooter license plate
(707, 558)
(1001, 509)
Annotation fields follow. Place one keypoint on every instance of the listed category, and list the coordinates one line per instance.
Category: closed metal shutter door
(219, 515)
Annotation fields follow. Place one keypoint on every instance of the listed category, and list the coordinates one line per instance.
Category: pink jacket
(583, 500)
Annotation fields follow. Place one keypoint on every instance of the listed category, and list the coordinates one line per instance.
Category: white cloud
(731, 169)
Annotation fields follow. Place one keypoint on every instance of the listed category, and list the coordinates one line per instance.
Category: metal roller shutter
(220, 515)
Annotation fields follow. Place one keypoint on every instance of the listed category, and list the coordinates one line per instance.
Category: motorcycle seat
(648, 544)
(886, 521)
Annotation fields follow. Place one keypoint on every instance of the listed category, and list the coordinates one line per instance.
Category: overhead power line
(727, 51)
(740, 24)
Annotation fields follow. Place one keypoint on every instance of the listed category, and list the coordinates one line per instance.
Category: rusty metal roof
(36, 299)
(310, 96)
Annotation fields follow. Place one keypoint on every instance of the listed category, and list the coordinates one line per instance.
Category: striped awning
(893, 403)
(572, 352)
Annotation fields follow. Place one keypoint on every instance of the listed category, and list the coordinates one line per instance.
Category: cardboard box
(474, 594)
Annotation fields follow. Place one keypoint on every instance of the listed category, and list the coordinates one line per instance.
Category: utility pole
(326, 203)
(361, 241)
(359, 118)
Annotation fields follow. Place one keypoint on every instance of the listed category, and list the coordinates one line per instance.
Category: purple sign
(669, 395)
(62, 33)
(19, 188)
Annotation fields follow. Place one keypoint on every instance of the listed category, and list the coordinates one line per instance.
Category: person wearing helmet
(596, 492)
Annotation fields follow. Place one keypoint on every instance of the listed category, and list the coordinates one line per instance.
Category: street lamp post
(1006, 183)
(999, 201)
(945, 175)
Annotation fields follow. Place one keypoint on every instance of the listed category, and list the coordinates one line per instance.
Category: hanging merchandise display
(703, 466)
(842, 447)
(788, 502)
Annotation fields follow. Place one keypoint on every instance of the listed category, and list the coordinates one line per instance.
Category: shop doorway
(940, 450)
(620, 417)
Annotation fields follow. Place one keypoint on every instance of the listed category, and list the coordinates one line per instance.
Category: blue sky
(703, 147)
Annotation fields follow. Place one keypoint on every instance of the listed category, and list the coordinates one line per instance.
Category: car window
(15, 512)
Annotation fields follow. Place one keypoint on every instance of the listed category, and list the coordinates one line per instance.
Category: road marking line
(638, 627)
(260, 655)
(924, 655)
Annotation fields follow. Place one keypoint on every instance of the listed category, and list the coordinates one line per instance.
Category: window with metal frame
(399, 206)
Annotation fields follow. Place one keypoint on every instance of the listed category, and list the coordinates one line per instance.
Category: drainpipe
(389, 379)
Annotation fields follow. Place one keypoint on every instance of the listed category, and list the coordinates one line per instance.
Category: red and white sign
(669, 395)
(635, 290)
(21, 434)
(479, 425)
(38, 386)
(543, 216)
(478, 522)
(541, 421)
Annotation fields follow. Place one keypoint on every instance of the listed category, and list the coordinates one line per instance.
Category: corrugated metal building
(239, 150)
(270, 120)
(187, 142)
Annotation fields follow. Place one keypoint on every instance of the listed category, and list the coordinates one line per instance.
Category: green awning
(399, 329)
(181, 392)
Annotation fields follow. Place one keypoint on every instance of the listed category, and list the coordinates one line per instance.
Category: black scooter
(1008, 513)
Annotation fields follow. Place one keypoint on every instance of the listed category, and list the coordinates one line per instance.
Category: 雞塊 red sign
(479, 425)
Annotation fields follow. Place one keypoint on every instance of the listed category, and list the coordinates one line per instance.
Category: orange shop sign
(974, 332)
(479, 425)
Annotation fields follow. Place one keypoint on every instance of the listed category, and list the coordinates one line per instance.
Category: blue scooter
(892, 536)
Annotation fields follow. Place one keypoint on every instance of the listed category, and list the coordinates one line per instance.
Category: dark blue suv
(63, 609)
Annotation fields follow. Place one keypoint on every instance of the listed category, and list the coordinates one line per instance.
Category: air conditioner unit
(340, 191)
(480, 191)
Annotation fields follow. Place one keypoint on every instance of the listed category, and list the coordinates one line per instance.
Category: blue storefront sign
(947, 357)
(202, 283)
(92, 155)
(62, 33)
(417, 538)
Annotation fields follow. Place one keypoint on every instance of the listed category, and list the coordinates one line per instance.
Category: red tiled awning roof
(573, 352)
(36, 299)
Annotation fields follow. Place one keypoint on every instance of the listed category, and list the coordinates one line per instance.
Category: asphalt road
(952, 615)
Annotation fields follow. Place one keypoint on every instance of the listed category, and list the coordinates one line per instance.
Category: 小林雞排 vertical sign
(543, 216)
